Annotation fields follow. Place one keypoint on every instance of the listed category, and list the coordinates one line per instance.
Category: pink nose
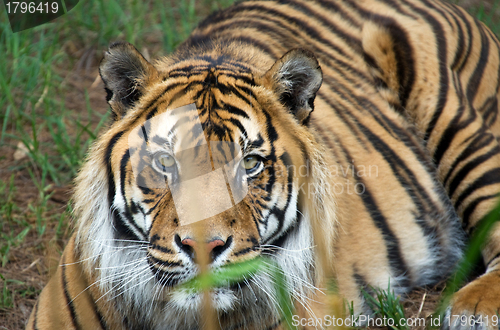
(210, 245)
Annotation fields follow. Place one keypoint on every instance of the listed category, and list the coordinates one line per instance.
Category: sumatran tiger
(372, 122)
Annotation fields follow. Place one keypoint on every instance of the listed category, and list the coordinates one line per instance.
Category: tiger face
(209, 154)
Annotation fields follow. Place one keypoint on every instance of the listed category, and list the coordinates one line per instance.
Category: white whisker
(121, 285)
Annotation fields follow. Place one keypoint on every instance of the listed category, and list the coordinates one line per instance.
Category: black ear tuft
(125, 73)
(296, 77)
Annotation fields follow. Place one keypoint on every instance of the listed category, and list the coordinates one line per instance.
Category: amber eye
(251, 163)
(165, 161)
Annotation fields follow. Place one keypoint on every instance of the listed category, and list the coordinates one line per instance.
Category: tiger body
(395, 157)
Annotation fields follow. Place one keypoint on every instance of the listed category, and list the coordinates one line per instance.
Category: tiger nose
(214, 247)
(210, 245)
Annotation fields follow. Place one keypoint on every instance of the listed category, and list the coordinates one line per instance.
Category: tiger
(355, 139)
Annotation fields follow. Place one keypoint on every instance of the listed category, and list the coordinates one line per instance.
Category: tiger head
(208, 156)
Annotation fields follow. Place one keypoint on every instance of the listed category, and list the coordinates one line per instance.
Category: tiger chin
(349, 139)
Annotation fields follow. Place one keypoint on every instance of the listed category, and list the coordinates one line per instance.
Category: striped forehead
(223, 107)
(185, 127)
(221, 64)
(178, 128)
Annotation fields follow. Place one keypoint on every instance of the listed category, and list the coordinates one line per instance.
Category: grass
(8, 209)
(49, 107)
(387, 306)
(237, 272)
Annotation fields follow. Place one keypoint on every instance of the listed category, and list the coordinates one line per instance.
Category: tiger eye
(250, 162)
(166, 160)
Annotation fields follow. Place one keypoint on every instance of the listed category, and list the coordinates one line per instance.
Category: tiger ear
(125, 73)
(296, 77)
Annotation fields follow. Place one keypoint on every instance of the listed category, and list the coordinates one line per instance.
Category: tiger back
(375, 121)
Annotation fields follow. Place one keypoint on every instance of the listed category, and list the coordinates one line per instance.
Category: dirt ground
(31, 264)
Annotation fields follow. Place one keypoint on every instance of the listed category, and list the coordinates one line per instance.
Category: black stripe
(341, 113)
(192, 71)
(489, 178)
(152, 113)
(235, 111)
(460, 38)
(441, 9)
(489, 111)
(156, 205)
(203, 41)
(263, 47)
(442, 52)
(162, 262)
(266, 26)
(226, 90)
(475, 80)
(280, 241)
(109, 170)
(390, 127)
(379, 83)
(405, 62)
(399, 134)
(452, 129)
(479, 141)
(278, 213)
(395, 258)
(327, 23)
(144, 132)
(243, 251)
(272, 134)
(245, 77)
(149, 107)
(160, 248)
(394, 255)
(127, 218)
(363, 286)
(118, 225)
(101, 318)
(492, 259)
(240, 126)
(165, 278)
(191, 86)
(233, 66)
(472, 207)
(364, 105)
(469, 167)
(256, 215)
(419, 196)
(470, 39)
(35, 316)
(332, 62)
(334, 7)
(69, 301)
(252, 11)
(396, 6)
